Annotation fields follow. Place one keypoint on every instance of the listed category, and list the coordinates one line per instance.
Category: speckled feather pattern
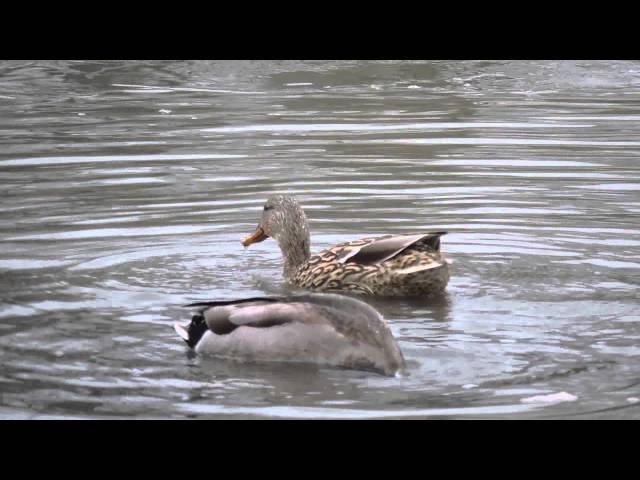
(324, 271)
(391, 265)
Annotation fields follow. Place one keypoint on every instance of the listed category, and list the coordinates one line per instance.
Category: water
(127, 186)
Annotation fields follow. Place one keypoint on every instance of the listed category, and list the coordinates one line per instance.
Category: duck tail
(433, 240)
(193, 331)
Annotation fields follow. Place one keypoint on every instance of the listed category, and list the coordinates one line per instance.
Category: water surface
(126, 187)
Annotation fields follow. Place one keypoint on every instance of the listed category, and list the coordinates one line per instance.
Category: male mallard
(392, 265)
(324, 329)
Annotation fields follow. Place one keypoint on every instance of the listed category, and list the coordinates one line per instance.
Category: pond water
(127, 186)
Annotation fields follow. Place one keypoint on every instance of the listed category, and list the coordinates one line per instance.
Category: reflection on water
(128, 185)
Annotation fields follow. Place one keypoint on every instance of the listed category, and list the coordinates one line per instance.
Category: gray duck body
(322, 329)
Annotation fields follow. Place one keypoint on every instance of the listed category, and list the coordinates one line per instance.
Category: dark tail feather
(192, 332)
(433, 240)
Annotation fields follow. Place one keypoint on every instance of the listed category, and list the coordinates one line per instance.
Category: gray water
(127, 186)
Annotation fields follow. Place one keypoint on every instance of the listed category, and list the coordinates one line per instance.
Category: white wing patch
(417, 268)
(347, 255)
(182, 330)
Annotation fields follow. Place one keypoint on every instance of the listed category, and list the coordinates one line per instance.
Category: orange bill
(255, 237)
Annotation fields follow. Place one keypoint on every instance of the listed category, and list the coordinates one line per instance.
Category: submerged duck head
(284, 220)
(323, 329)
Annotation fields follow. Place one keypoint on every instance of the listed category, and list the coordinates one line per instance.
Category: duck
(324, 329)
(387, 266)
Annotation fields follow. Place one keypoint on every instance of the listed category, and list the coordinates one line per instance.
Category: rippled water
(126, 187)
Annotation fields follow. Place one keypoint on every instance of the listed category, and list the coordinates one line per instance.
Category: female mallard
(324, 329)
(392, 265)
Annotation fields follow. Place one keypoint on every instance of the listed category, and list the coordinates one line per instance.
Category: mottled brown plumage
(392, 265)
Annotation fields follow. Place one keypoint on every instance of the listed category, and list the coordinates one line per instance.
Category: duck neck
(295, 246)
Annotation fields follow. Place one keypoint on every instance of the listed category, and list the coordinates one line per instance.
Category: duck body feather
(322, 329)
(401, 265)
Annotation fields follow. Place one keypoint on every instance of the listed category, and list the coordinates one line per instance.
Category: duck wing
(357, 321)
(344, 313)
(339, 311)
(222, 317)
(384, 248)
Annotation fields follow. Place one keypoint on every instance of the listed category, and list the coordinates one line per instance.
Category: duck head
(284, 220)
